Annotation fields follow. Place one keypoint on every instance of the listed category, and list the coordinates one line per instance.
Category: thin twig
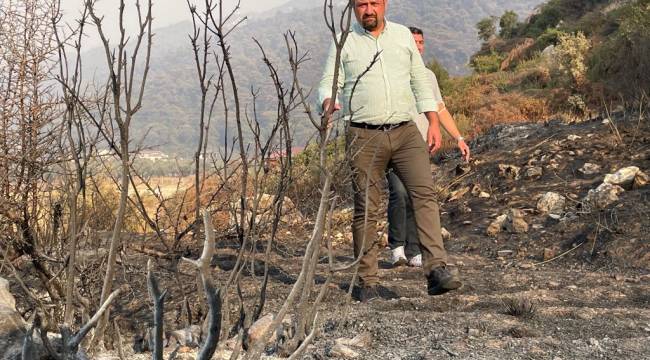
(559, 256)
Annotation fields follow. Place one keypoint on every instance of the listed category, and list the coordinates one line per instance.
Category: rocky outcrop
(613, 185)
(12, 325)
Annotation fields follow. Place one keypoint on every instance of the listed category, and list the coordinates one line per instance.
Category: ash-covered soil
(575, 285)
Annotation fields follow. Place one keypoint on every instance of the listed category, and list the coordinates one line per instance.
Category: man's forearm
(432, 116)
(448, 123)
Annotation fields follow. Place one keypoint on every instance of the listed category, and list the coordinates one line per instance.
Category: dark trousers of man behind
(402, 228)
(372, 150)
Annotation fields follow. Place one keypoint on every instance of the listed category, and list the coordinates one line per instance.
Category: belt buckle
(390, 127)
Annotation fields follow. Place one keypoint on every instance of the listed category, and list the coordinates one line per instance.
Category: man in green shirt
(381, 131)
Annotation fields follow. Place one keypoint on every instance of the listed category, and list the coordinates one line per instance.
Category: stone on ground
(622, 177)
(640, 180)
(12, 325)
(343, 351)
(589, 169)
(551, 203)
(604, 195)
(516, 223)
(509, 171)
(497, 225)
(534, 172)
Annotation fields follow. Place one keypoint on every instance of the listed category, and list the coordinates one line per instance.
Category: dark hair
(415, 31)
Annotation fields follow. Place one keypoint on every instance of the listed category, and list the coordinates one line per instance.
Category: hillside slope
(572, 287)
(571, 60)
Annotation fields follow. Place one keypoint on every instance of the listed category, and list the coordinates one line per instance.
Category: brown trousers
(371, 152)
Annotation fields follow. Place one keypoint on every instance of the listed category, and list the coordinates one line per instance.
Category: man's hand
(326, 105)
(434, 138)
(464, 150)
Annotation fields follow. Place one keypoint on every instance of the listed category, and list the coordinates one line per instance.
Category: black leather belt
(383, 127)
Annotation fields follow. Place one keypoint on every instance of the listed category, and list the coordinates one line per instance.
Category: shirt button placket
(384, 74)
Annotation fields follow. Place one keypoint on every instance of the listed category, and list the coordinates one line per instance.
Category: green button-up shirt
(396, 84)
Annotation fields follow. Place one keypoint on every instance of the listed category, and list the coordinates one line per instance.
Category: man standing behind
(381, 132)
(402, 229)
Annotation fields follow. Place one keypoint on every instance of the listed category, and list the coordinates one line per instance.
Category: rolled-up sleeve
(327, 80)
(437, 95)
(421, 84)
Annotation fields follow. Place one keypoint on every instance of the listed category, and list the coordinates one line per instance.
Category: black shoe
(373, 292)
(440, 280)
(368, 293)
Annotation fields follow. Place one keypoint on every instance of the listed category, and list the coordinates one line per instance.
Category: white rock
(603, 195)
(589, 169)
(534, 172)
(573, 137)
(509, 171)
(343, 351)
(548, 54)
(622, 177)
(551, 203)
(497, 225)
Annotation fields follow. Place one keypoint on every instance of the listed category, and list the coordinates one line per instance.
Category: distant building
(153, 155)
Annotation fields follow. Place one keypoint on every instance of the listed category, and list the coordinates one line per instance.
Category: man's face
(370, 13)
(419, 41)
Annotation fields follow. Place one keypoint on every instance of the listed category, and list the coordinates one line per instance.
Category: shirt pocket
(357, 101)
(353, 68)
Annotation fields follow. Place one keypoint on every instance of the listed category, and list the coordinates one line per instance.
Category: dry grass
(519, 307)
(481, 103)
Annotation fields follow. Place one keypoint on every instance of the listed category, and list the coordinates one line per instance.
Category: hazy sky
(165, 12)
